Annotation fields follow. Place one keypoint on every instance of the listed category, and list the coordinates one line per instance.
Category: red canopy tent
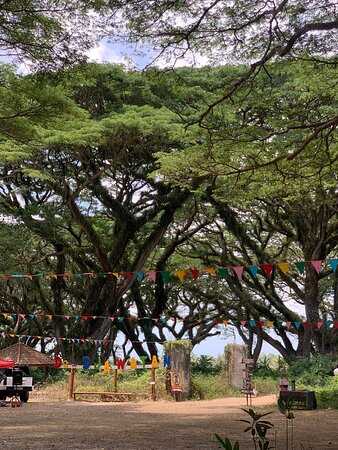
(6, 364)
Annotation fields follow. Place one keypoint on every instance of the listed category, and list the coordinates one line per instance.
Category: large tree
(85, 190)
(273, 231)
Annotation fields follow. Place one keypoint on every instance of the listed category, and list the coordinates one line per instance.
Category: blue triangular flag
(297, 324)
(139, 276)
(252, 323)
(333, 263)
(328, 323)
(253, 270)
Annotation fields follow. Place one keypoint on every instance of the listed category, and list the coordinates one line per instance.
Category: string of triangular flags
(266, 269)
(291, 326)
(164, 320)
(75, 340)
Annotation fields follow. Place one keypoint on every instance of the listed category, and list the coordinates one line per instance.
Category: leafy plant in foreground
(226, 443)
(258, 429)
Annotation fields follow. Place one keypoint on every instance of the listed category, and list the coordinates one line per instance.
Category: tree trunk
(179, 353)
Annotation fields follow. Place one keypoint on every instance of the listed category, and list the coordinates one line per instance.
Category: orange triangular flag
(210, 270)
(181, 274)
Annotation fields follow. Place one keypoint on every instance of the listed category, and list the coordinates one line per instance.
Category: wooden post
(115, 380)
(71, 381)
(153, 384)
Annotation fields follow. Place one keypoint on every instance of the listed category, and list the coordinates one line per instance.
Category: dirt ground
(149, 426)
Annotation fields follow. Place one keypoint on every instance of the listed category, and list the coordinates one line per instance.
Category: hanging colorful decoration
(192, 273)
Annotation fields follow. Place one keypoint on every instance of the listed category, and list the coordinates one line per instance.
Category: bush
(208, 387)
(265, 385)
(206, 365)
(313, 371)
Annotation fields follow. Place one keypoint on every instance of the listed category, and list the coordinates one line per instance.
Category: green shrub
(266, 385)
(327, 396)
(207, 387)
(206, 365)
(313, 371)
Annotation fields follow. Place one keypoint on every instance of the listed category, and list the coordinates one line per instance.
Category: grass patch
(266, 385)
(208, 387)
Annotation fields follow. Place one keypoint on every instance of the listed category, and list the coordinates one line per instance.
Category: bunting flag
(139, 276)
(223, 272)
(151, 276)
(195, 273)
(333, 264)
(267, 269)
(253, 270)
(317, 265)
(181, 275)
(283, 267)
(291, 326)
(238, 270)
(300, 266)
(210, 270)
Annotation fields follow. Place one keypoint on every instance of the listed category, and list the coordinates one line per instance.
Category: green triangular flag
(223, 272)
(300, 266)
(166, 277)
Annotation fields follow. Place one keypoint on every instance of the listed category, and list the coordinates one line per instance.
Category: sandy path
(147, 425)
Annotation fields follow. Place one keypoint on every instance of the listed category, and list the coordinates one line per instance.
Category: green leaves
(226, 443)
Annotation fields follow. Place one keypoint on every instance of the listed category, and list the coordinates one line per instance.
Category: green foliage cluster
(206, 365)
(269, 367)
(208, 387)
(314, 371)
(327, 396)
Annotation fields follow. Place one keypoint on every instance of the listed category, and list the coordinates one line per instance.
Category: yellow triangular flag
(283, 267)
(154, 362)
(269, 324)
(133, 363)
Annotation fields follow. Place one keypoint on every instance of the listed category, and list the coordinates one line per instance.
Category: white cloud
(105, 52)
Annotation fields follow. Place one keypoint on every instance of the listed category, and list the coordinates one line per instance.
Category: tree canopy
(49, 33)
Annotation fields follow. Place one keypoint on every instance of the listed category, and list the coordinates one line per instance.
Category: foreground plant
(258, 429)
(226, 443)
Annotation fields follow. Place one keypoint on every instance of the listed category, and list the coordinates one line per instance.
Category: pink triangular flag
(317, 264)
(151, 276)
(238, 271)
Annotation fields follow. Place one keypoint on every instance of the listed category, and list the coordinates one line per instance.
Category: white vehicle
(15, 382)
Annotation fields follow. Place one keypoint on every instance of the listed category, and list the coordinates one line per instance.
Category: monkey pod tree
(86, 192)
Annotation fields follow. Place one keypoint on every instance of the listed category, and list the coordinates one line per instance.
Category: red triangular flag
(317, 264)
(267, 269)
(243, 323)
(128, 275)
(194, 273)
(238, 271)
(288, 325)
(320, 324)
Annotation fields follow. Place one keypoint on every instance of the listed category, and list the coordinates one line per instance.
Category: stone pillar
(180, 364)
(234, 355)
